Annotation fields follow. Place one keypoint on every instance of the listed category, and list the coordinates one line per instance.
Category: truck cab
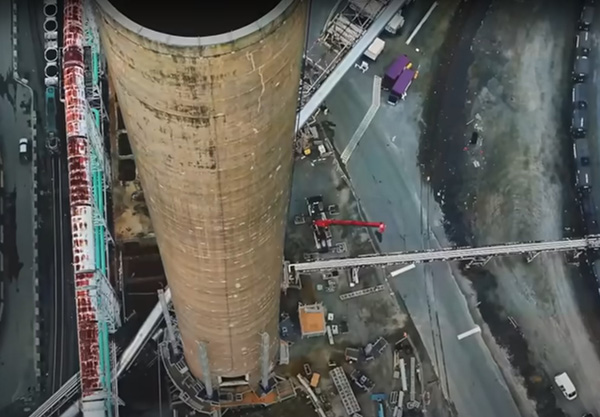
(393, 99)
(395, 24)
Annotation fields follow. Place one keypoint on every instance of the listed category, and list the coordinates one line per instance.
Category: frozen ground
(518, 93)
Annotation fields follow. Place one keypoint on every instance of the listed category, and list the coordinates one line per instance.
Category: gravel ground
(368, 317)
(517, 99)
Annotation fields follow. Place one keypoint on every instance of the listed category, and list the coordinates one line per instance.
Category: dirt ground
(515, 185)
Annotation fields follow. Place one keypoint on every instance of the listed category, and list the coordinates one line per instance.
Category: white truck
(395, 23)
(566, 386)
(367, 8)
(375, 49)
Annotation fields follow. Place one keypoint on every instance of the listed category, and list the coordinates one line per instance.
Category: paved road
(594, 103)
(384, 172)
(58, 337)
(57, 294)
(17, 327)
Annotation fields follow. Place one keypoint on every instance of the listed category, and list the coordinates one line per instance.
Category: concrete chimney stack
(209, 93)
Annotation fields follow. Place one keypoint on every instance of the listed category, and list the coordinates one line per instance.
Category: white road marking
(402, 270)
(468, 333)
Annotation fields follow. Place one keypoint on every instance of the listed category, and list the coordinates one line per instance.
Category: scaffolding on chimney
(98, 311)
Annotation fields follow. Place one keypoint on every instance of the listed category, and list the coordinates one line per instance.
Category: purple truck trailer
(394, 71)
(401, 85)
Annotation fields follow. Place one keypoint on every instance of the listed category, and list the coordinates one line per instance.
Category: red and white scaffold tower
(96, 303)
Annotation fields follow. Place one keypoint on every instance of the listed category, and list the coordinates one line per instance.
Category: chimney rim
(181, 41)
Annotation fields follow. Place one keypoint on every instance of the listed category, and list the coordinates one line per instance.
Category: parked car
(584, 178)
(579, 123)
(579, 96)
(581, 152)
(583, 43)
(587, 18)
(581, 69)
(24, 150)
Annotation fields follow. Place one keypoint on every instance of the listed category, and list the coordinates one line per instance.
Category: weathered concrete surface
(211, 129)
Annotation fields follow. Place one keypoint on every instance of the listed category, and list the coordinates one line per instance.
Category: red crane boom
(328, 222)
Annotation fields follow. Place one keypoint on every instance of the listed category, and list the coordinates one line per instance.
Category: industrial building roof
(312, 319)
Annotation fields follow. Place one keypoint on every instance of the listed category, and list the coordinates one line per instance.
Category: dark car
(579, 96)
(579, 123)
(590, 214)
(581, 152)
(587, 18)
(584, 178)
(581, 69)
(583, 43)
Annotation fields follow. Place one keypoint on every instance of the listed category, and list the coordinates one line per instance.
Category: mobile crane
(328, 222)
(320, 224)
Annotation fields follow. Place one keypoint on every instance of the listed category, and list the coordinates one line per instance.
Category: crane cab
(321, 235)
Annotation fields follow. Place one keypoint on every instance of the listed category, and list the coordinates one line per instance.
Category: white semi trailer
(375, 49)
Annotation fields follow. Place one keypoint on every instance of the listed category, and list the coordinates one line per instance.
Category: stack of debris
(404, 354)
(375, 350)
(362, 381)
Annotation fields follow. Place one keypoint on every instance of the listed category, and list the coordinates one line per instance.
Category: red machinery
(328, 222)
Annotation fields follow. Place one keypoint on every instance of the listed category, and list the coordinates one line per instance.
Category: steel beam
(449, 254)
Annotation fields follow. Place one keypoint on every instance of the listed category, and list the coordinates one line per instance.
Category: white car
(24, 151)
